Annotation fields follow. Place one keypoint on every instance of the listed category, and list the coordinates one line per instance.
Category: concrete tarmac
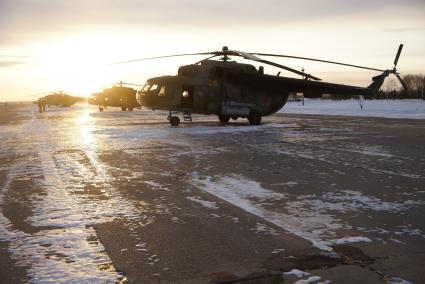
(124, 197)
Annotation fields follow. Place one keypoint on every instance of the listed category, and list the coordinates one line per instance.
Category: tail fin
(378, 81)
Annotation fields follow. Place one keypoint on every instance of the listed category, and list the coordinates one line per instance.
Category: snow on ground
(73, 242)
(310, 280)
(397, 280)
(310, 217)
(206, 204)
(349, 240)
(414, 109)
(296, 272)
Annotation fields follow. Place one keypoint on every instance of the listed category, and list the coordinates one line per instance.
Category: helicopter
(62, 99)
(116, 96)
(232, 90)
(59, 98)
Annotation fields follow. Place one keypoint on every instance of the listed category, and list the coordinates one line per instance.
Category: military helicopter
(116, 96)
(62, 99)
(235, 90)
(59, 98)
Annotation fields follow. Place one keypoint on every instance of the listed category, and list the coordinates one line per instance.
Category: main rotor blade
(246, 55)
(288, 69)
(131, 84)
(319, 60)
(158, 57)
(402, 82)
(205, 59)
(398, 54)
(252, 57)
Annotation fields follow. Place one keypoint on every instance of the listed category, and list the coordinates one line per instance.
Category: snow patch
(307, 217)
(297, 273)
(206, 204)
(267, 230)
(398, 280)
(309, 280)
(249, 196)
(413, 109)
(348, 240)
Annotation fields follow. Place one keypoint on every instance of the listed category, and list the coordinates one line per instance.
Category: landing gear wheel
(174, 120)
(130, 109)
(100, 108)
(224, 118)
(123, 108)
(254, 119)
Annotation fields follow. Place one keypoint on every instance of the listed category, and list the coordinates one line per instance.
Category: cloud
(8, 61)
(406, 30)
(6, 64)
(23, 20)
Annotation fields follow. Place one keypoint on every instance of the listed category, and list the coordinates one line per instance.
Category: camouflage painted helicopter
(116, 96)
(231, 90)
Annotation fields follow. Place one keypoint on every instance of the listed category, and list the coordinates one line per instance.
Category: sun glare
(79, 64)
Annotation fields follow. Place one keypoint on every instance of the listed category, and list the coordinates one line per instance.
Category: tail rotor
(394, 70)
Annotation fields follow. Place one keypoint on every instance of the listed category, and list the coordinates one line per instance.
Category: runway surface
(118, 196)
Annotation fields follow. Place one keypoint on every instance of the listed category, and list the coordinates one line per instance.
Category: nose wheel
(174, 120)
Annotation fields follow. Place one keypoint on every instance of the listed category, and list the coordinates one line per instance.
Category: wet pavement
(123, 196)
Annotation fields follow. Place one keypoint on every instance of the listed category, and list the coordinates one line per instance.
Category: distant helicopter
(232, 90)
(116, 96)
(59, 98)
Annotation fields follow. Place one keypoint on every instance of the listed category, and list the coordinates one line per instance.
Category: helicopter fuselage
(116, 96)
(59, 99)
(214, 87)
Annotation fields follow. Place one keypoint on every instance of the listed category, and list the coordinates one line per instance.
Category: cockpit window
(146, 87)
(152, 89)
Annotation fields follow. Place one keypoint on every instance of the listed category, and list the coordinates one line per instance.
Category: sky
(51, 45)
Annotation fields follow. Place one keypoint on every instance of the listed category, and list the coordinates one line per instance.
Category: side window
(162, 92)
(153, 88)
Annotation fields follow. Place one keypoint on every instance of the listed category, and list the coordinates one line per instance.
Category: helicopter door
(187, 96)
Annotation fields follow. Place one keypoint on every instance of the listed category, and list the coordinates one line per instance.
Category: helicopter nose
(139, 97)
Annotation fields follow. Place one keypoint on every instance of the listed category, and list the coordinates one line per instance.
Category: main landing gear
(174, 120)
(224, 118)
(253, 119)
